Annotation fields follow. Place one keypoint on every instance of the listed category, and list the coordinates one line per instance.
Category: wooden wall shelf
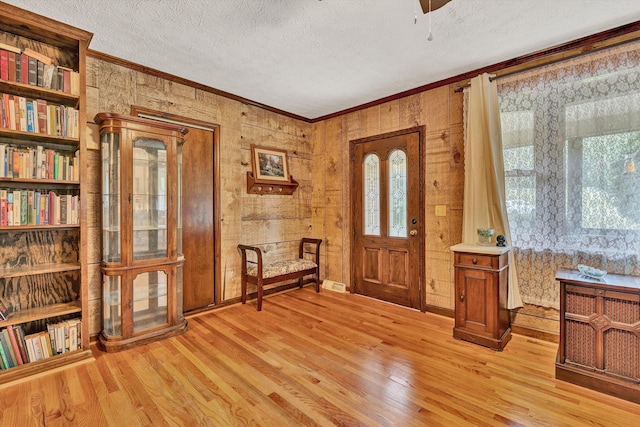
(255, 186)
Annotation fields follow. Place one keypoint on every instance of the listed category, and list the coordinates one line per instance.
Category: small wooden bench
(261, 274)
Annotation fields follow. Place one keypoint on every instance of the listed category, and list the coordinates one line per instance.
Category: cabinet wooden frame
(67, 46)
(123, 266)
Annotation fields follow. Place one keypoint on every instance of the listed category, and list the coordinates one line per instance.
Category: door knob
(413, 232)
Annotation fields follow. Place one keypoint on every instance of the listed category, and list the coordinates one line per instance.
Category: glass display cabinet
(142, 256)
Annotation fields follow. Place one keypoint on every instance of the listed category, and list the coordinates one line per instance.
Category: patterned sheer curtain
(571, 145)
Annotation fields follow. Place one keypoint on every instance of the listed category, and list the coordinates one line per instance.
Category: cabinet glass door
(111, 197)
(149, 199)
(149, 300)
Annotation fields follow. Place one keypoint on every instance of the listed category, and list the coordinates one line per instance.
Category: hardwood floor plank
(314, 360)
(247, 406)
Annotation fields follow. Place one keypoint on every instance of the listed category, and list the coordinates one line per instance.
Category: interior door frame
(215, 128)
(421, 131)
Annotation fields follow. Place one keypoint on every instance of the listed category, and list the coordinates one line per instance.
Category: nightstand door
(475, 289)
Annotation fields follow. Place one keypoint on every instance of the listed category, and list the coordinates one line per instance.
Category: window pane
(521, 202)
(371, 195)
(397, 194)
(610, 196)
(520, 158)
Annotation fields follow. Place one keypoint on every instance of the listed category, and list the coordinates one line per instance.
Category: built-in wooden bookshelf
(43, 267)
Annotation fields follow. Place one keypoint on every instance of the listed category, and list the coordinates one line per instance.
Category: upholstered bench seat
(281, 268)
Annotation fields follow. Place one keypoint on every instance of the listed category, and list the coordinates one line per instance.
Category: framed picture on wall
(269, 164)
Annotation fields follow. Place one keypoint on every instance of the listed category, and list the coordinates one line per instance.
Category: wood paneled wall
(318, 160)
(274, 222)
(440, 111)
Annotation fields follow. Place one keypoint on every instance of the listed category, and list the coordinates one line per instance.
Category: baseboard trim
(535, 333)
(447, 312)
(232, 301)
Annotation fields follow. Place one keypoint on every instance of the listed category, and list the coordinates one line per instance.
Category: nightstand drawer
(475, 260)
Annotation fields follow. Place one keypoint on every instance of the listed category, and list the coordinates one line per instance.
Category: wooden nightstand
(481, 290)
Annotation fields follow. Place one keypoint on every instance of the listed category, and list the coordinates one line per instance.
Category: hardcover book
(47, 79)
(4, 65)
(24, 69)
(22, 104)
(43, 126)
(6, 343)
(3, 160)
(37, 346)
(12, 66)
(6, 360)
(18, 68)
(17, 200)
(9, 208)
(24, 207)
(40, 75)
(3, 208)
(28, 342)
(30, 116)
(14, 344)
(17, 329)
(32, 71)
(60, 76)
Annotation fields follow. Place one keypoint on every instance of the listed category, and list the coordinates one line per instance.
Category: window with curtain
(571, 146)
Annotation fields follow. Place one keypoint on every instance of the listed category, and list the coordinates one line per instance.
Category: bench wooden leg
(317, 278)
(259, 295)
(243, 283)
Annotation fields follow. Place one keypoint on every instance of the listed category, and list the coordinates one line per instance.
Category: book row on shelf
(37, 116)
(33, 207)
(38, 163)
(32, 68)
(16, 348)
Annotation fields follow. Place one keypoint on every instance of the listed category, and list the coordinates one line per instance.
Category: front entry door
(388, 232)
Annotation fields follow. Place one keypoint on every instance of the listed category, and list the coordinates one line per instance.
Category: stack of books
(34, 207)
(16, 348)
(38, 116)
(38, 163)
(30, 67)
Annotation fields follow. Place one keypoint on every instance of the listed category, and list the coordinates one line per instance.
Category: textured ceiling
(316, 57)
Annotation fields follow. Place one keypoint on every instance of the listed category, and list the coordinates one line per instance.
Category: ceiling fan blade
(435, 4)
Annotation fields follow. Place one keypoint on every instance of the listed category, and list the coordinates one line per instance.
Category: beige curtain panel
(484, 187)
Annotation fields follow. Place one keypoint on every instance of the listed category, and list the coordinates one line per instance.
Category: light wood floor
(308, 359)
